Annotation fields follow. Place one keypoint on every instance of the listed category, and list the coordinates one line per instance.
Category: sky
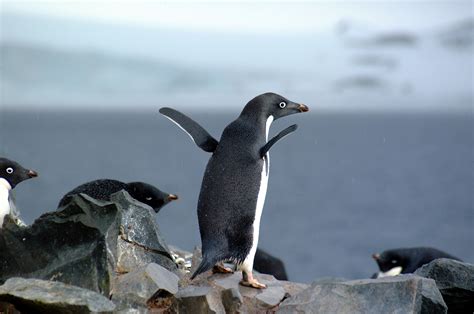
(250, 16)
(180, 50)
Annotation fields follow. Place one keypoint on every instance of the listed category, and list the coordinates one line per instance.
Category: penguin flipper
(197, 133)
(264, 150)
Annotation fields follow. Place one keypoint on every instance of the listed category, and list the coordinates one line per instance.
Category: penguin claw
(220, 268)
(253, 284)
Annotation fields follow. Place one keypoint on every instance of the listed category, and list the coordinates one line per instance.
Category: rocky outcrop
(109, 256)
(86, 243)
(41, 296)
(455, 280)
(222, 293)
(400, 294)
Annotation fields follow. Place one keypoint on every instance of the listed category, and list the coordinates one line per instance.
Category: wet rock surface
(455, 280)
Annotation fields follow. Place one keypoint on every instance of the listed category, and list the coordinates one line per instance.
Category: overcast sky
(251, 16)
(195, 49)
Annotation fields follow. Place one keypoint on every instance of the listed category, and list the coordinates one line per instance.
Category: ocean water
(341, 188)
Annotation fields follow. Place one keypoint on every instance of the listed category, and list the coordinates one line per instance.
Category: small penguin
(406, 260)
(235, 182)
(11, 173)
(103, 188)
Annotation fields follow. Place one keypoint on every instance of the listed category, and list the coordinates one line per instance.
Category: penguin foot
(253, 284)
(249, 281)
(220, 268)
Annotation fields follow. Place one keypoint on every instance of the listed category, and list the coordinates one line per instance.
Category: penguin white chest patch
(392, 272)
(248, 262)
(5, 188)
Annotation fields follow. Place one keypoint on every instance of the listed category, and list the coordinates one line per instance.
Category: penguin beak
(32, 173)
(172, 197)
(303, 108)
(376, 256)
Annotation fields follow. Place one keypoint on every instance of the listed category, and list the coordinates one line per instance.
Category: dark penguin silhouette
(406, 260)
(11, 173)
(103, 188)
(266, 263)
(235, 182)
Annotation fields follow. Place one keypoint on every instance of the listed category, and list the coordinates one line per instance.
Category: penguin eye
(9, 170)
(149, 198)
(394, 261)
(282, 105)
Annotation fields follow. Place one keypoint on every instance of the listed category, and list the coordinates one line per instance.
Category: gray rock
(232, 300)
(137, 288)
(272, 296)
(293, 288)
(194, 299)
(257, 299)
(86, 236)
(41, 296)
(455, 280)
(400, 294)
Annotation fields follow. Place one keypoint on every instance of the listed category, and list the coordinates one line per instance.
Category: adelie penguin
(406, 260)
(11, 173)
(102, 190)
(235, 182)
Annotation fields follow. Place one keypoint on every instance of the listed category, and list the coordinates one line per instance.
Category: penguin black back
(102, 189)
(407, 260)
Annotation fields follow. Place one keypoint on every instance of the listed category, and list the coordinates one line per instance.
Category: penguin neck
(5, 188)
(258, 122)
(4, 184)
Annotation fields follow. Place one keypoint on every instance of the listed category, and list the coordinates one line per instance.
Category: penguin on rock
(235, 182)
(11, 173)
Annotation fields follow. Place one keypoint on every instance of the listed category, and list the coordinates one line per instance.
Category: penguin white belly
(4, 199)
(247, 265)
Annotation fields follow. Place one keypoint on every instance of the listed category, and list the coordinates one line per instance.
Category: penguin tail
(206, 264)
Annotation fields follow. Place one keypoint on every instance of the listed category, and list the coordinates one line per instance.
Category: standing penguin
(11, 173)
(235, 182)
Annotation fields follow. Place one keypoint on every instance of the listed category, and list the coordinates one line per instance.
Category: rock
(272, 296)
(267, 264)
(194, 299)
(255, 300)
(400, 294)
(41, 296)
(137, 288)
(232, 300)
(455, 280)
(86, 236)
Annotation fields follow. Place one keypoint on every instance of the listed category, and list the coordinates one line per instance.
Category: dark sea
(341, 188)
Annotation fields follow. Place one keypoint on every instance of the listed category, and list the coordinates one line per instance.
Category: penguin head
(271, 104)
(150, 195)
(390, 260)
(13, 173)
